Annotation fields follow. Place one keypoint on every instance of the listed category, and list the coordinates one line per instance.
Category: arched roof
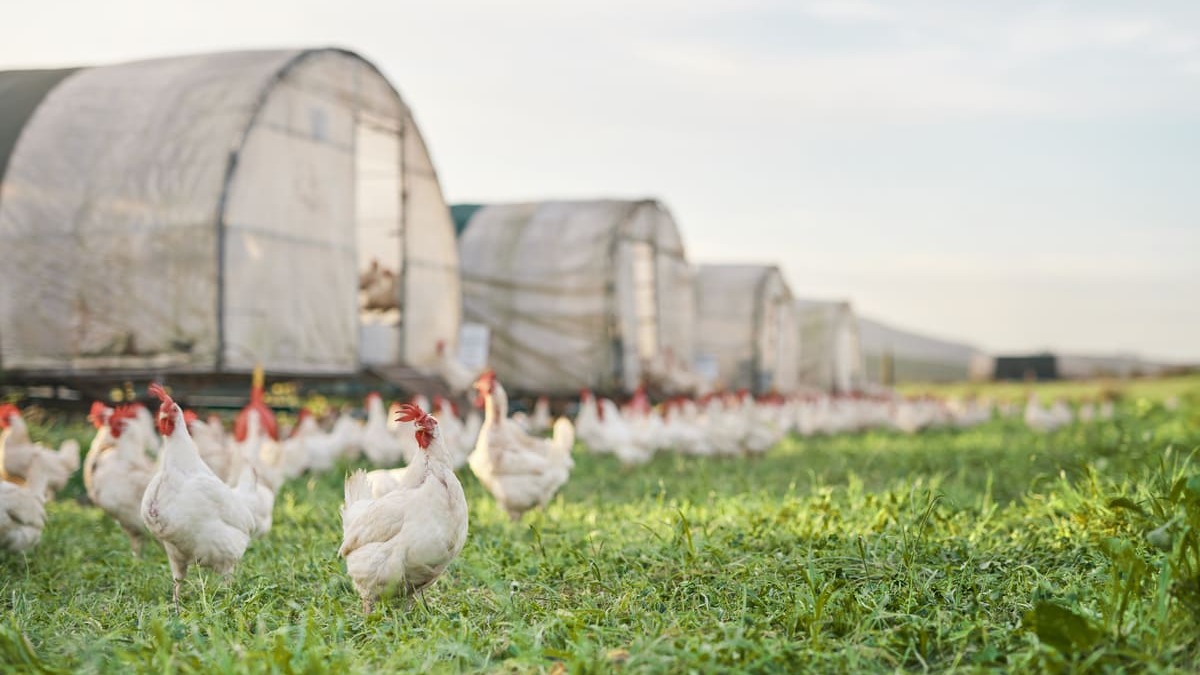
(555, 283)
(22, 91)
(144, 164)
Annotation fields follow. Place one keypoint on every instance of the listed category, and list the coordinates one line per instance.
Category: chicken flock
(206, 493)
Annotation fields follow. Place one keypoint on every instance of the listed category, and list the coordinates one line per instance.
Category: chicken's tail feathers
(37, 479)
(357, 488)
(68, 452)
(247, 481)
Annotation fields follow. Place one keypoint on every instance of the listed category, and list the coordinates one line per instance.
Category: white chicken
(469, 436)
(587, 422)
(615, 437)
(684, 430)
(259, 495)
(142, 427)
(381, 446)
(520, 471)
(765, 427)
(458, 377)
(256, 436)
(324, 449)
(197, 517)
(293, 450)
(404, 431)
(1045, 421)
(23, 508)
(726, 428)
(17, 451)
(117, 470)
(255, 446)
(402, 541)
(646, 423)
(540, 420)
(383, 481)
(215, 449)
(454, 432)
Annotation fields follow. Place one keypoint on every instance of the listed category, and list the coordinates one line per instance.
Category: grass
(993, 549)
(1159, 388)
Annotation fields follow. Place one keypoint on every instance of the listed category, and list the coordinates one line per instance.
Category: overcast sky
(1015, 174)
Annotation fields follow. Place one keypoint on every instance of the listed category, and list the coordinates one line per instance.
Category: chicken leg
(179, 568)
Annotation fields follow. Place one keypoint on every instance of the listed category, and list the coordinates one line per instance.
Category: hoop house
(746, 327)
(830, 354)
(206, 213)
(578, 293)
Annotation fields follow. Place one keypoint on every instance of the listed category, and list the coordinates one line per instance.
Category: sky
(1019, 175)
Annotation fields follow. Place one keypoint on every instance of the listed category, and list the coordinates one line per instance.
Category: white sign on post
(474, 340)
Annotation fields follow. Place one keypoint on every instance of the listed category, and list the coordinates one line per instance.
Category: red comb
(117, 418)
(410, 413)
(8, 410)
(166, 411)
(157, 390)
(98, 413)
(425, 423)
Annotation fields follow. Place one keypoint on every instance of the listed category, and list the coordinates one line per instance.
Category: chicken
(142, 427)
(646, 424)
(684, 430)
(383, 481)
(458, 438)
(262, 452)
(765, 429)
(17, 451)
(293, 451)
(23, 507)
(256, 437)
(402, 541)
(404, 432)
(520, 471)
(1087, 412)
(197, 517)
(259, 495)
(343, 441)
(458, 377)
(587, 422)
(540, 420)
(117, 471)
(619, 439)
(470, 435)
(381, 446)
(380, 291)
(214, 446)
(1045, 421)
(257, 407)
(726, 425)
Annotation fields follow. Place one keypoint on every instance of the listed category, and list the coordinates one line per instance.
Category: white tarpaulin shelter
(894, 355)
(830, 354)
(746, 323)
(578, 293)
(206, 213)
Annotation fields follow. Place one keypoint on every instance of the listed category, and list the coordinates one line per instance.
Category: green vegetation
(993, 549)
(1157, 389)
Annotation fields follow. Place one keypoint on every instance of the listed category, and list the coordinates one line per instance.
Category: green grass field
(993, 549)
(1152, 388)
